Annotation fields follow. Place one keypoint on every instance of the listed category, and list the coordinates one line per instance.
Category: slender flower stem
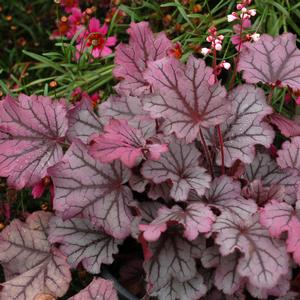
(218, 126)
(237, 57)
(206, 151)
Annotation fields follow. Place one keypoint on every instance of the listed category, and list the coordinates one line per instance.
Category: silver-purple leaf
(99, 288)
(227, 278)
(272, 60)
(265, 169)
(185, 99)
(289, 154)
(195, 218)
(264, 260)
(84, 186)
(34, 129)
(180, 165)
(192, 289)
(245, 128)
(173, 257)
(128, 108)
(83, 122)
(26, 251)
(132, 59)
(225, 195)
(83, 242)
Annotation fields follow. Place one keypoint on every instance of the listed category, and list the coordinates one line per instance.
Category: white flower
(231, 18)
(252, 12)
(226, 65)
(218, 47)
(255, 37)
(205, 51)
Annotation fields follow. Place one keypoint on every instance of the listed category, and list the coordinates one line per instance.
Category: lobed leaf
(264, 260)
(180, 165)
(128, 108)
(132, 59)
(86, 187)
(83, 122)
(173, 257)
(124, 142)
(196, 218)
(245, 129)
(286, 126)
(192, 289)
(83, 242)
(271, 60)
(38, 267)
(288, 156)
(265, 169)
(225, 195)
(34, 128)
(185, 99)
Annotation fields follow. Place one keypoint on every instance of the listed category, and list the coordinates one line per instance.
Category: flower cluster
(216, 45)
(243, 17)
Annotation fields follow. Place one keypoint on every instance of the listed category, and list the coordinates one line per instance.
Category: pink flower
(75, 22)
(95, 37)
(298, 100)
(69, 4)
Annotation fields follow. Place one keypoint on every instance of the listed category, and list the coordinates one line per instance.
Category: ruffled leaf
(180, 165)
(264, 260)
(100, 289)
(132, 59)
(272, 60)
(83, 242)
(185, 99)
(35, 128)
(84, 186)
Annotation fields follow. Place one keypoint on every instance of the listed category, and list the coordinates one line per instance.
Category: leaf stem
(221, 148)
(206, 151)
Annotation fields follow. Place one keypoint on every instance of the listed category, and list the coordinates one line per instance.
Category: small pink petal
(111, 41)
(94, 25)
(106, 51)
(96, 52)
(103, 29)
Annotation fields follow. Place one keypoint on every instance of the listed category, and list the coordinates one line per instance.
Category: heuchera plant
(173, 160)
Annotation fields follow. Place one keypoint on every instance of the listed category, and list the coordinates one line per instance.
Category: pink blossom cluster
(216, 45)
(244, 22)
(88, 31)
